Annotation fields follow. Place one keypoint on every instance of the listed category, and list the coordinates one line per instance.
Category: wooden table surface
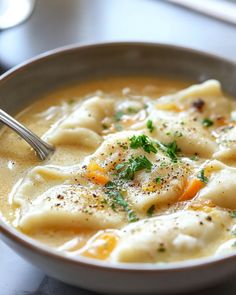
(56, 23)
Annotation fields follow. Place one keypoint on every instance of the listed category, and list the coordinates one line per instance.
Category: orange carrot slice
(101, 247)
(193, 187)
(168, 107)
(97, 174)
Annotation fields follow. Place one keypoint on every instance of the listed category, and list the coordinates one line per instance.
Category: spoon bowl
(42, 148)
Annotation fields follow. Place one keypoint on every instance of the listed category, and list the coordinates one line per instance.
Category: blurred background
(30, 27)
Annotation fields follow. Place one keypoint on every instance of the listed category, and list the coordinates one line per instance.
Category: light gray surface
(58, 22)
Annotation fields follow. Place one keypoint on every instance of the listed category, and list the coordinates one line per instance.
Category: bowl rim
(32, 245)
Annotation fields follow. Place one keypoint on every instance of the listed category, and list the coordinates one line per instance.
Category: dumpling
(221, 186)
(226, 140)
(84, 125)
(173, 237)
(70, 207)
(128, 180)
(183, 117)
(210, 93)
(162, 184)
(190, 135)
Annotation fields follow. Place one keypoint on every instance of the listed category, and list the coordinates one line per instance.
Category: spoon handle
(42, 148)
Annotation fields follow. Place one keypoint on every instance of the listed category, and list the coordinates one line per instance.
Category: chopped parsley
(170, 149)
(143, 141)
(118, 127)
(118, 199)
(194, 158)
(233, 214)
(163, 164)
(120, 166)
(207, 122)
(202, 176)
(150, 211)
(158, 179)
(110, 185)
(178, 134)
(118, 115)
(127, 169)
(132, 110)
(131, 216)
(150, 126)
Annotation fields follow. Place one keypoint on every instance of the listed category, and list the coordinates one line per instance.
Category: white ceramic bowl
(26, 83)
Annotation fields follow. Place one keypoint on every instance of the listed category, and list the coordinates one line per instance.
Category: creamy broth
(142, 172)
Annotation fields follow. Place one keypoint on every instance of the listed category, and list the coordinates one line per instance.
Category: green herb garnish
(118, 127)
(127, 169)
(118, 115)
(143, 141)
(194, 158)
(150, 211)
(132, 110)
(110, 185)
(150, 126)
(207, 122)
(158, 179)
(118, 199)
(202, 176)
(178, 134)
(132, 216)
(163, 164)
(170, 149)
(233, 214)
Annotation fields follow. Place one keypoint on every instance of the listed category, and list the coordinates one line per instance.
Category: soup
(144, 171)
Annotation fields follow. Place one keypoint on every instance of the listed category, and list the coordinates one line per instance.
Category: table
(58, 22)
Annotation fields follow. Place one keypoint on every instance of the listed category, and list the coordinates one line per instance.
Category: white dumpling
(221, 186)
(215, 104)
(228, 247)
(143, 191)
(69, 207)
(84, 125)
(173, 237)
(174, 117)
(38, 180)
(191, 137)
(226, 140)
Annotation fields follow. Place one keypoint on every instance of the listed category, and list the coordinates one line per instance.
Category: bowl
(22, 85)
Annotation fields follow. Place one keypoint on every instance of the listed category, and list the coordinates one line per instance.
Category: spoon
(42, 148)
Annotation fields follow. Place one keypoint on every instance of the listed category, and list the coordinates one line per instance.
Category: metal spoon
(42, 149)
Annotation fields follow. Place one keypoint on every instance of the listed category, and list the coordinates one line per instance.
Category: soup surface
(144, 171)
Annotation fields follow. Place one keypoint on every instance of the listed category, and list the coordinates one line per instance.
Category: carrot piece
(93, 166)
(193, 187)
(97, 174)
(168, 107)
(97, 177)
(101, 247)
(221, 121)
